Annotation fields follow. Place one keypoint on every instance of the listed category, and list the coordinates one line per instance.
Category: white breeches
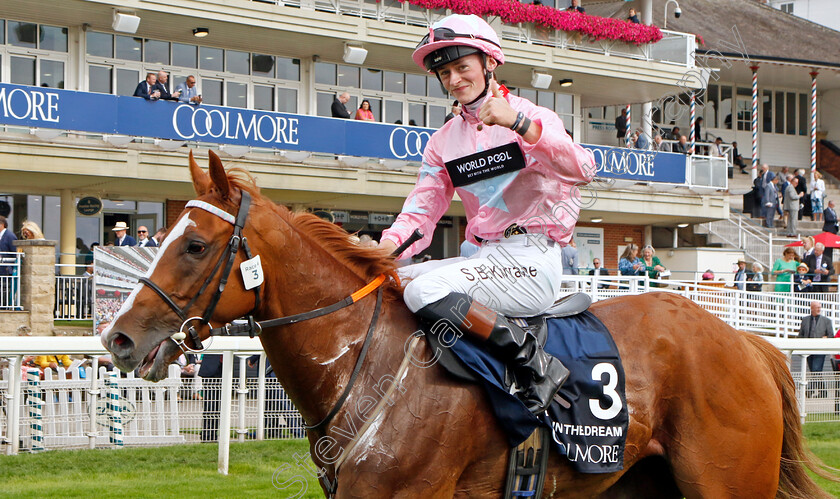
(519, 276)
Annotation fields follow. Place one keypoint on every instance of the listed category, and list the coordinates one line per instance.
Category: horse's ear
(201, 181)
(219, 175)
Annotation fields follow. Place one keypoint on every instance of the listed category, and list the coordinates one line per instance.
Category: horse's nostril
(121, 344)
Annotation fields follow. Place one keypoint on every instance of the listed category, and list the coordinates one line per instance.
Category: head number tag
(252, 272)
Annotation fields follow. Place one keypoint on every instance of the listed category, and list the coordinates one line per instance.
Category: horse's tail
(794, 481)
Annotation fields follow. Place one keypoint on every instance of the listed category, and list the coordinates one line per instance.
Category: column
(754, 169)
(37, 286)
(813, 123)
(629, 131)
(67, 239)
(691, 125)
(647, 120)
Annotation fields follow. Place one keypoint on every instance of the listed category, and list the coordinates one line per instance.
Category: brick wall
(173, 209)
(827, 160)
(614, 235)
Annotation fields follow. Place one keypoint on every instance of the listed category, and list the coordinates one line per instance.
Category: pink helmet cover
(474, 32)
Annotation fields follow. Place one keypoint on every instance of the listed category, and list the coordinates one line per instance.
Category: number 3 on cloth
(252, 272)
(609, 390)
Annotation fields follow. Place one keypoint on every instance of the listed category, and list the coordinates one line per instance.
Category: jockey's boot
(538, 373)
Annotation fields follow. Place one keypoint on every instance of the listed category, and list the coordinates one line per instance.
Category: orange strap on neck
(369, 287)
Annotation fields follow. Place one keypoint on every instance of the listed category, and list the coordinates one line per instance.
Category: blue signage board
(109, 114)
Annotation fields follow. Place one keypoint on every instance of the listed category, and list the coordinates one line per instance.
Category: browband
(227, 217)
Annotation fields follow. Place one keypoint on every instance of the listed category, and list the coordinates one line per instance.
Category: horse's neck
(313, 359)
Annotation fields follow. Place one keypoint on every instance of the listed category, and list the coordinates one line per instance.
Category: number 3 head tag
(252, 272)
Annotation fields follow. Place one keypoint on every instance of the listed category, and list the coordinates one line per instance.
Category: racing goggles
(447, 34)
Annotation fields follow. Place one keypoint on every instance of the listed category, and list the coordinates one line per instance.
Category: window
(287, 100)
(211, 59)
(780, 112)
(22, 70)
(393, 112)
(371, 79)
(127, 80)
(52, 74)
(415, 84)
(790, 114)
(726, 106)
(436, 89)
(744, 113)
(394, 82)
(184, 55)
(237, 94)
(262, 65)
(710, 109)
(323, 101)
(212, 91)
(100, 44)
(157, 52)
(288, 69)
(767, 111)
(416, 114)
(804, 113)
(325, 73)
(787, 8)
(23, 34)
(129, 48)
(348, 76)
(99, 79)
(53, 38)
(237, 62)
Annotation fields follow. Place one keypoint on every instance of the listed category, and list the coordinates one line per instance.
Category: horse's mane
(367, 263)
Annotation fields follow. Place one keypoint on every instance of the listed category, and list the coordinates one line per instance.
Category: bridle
(253, 328)
(228, 256)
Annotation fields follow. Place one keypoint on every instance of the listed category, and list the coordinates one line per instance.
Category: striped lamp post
(112, 409)
(813, 123)
(629, 129)
(35, 403)
(691, 137)
(754, 170)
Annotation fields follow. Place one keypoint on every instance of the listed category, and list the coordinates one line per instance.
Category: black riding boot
(539, 374)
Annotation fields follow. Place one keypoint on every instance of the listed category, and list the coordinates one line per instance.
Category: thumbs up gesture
(496, 110)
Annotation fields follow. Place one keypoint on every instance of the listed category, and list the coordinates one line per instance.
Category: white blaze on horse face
(174, 234)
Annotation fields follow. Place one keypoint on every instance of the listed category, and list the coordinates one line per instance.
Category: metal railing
(10, 264)
(674, 47)
(738, 232)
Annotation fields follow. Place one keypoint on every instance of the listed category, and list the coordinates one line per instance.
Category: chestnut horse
(712, 410)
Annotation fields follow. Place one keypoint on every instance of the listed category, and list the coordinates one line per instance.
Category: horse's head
(183, 280)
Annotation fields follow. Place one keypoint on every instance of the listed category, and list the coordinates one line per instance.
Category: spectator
(30, 230)
(783, 270)
(599, 271)
(143, 237)
(816, 325)
(146, 89)
(121, 238)
(573, 6)
(770, 200)
(717, 149)
(807, 246)
(53, 361)
(737, 159)
(659, 145)
(830, 218)
(708, 275)
(817, 193)
(652, 264)
(698, 126)
(338, 109)
(162, 86)
(621, 127)
(188, 92)
(456, 111)
(6, 247)
(802, 282)
(756, 278)
(821, 267)
(642, 141)
(364, 113)
(741, 275)
(630, 263)
(675, 133)
(792, 205)
(187, 363)
(758, 190)
(805, 200)
(632, 17)
(158, 237)
(570, 258)
(682, 146)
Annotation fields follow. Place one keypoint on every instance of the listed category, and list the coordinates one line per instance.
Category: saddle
(528, 461)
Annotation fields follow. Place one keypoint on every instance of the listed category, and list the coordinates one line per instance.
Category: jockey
(516, 171)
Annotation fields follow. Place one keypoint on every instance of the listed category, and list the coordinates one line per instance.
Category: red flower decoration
(513, 12)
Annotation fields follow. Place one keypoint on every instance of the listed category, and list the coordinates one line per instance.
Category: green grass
(62, 323)
(190, 470)
(162, 472)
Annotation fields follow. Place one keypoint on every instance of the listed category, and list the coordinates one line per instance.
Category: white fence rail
(10, 280)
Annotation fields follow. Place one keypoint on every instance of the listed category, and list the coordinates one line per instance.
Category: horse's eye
(196, 248)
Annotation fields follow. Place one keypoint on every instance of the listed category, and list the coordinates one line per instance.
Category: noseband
(229, 255)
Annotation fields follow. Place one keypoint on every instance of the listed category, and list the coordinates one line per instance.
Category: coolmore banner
(109, 114)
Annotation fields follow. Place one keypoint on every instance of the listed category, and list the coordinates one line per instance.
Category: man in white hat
(741, 275)
(122, 239)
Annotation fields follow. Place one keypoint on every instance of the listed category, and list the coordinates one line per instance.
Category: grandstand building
(71, 129)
